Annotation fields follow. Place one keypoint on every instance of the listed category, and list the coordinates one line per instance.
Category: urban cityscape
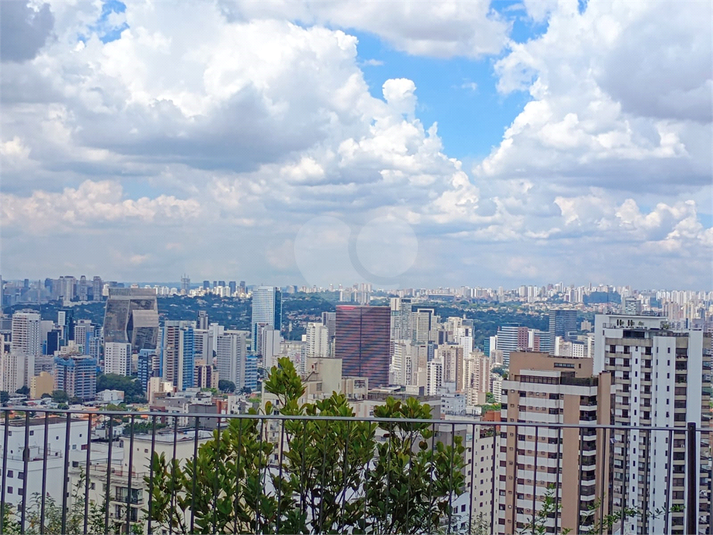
(356, 267)
(610, 355)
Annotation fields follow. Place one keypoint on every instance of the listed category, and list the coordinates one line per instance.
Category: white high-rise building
(26, 333)
(661, 378)
(435, 376)
(12, 372)
(26, 341)
(317, 340)
(231, 355)
(270, 346)
(117, 358)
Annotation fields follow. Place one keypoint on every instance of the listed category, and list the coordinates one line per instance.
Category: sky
(410, 144)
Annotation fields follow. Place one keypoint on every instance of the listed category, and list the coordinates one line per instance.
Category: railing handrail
(142, 415)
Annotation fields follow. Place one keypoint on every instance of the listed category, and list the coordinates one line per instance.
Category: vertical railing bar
(647, 472)
(692, 481)
(625, 494)
(472, 479)
(6, 438)
(669, 482)
(259, 462)
(513, 515)
(237, 473)
(215, 484)
(450, 479)
(173, 473)
(534, 476)
(279, 476)
(579, 486)
(302, 471)
(557, 477)
(387, 502)
(195, 477)
(344, 477)
(43, 499)
(88, 466)
(605, 464)
(433, 450)
(107, 491)
(130, 473)
(410, 475)
(153, 451)
(65, 476)
(321, 490)
(25, 460)
(493, 484)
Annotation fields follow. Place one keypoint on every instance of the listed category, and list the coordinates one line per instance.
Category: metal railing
(347, 475)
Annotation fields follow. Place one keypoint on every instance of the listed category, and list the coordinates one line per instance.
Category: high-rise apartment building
(97, 287)
(661, 378)
(270, 342)
(83, 329)
(317, 336)
(26, 337)
(544, 389)
(562, 322)
(77, 376)
(117, 358)
(203, 321)
(512, 338)
(131, 316)
(185, 284)
(231, 353)
(362, 342)
(26, 342)
(145, 366)
(401, 318)
(631, 305)
(13, 371)
(266, 312)
(179, 353)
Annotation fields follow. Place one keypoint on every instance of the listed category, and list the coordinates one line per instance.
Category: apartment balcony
(313, 474)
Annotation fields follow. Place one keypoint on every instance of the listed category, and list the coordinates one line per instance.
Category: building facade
(662, 378)
(362, 342)
(544, 389)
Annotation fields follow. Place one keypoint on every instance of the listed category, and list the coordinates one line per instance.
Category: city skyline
(512, 141)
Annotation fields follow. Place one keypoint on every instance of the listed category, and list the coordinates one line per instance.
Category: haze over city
(463, 143)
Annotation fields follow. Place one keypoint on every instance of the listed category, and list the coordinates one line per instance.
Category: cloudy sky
(405, 143)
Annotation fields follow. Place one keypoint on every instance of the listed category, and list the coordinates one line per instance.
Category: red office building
(362, 342)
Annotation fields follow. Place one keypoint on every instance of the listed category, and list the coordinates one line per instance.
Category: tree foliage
(226, 386)
(312, 476)
(130, 386)
(60, 396)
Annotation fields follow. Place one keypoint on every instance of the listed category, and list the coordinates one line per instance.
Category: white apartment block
(661, 378)
(117, 358)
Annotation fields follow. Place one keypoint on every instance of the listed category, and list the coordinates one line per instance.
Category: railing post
(692, 480)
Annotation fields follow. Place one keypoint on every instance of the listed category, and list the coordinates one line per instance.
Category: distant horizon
(195, 284)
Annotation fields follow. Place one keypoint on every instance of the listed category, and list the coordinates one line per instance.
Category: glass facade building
(362, 342)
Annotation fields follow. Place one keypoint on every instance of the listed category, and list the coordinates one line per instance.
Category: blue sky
(142, 140)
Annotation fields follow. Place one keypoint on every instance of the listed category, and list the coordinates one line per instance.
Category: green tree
(23, 390)
(336, 475)
(60, 396)
(226, 386)
(4, 396)
(130, 386)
